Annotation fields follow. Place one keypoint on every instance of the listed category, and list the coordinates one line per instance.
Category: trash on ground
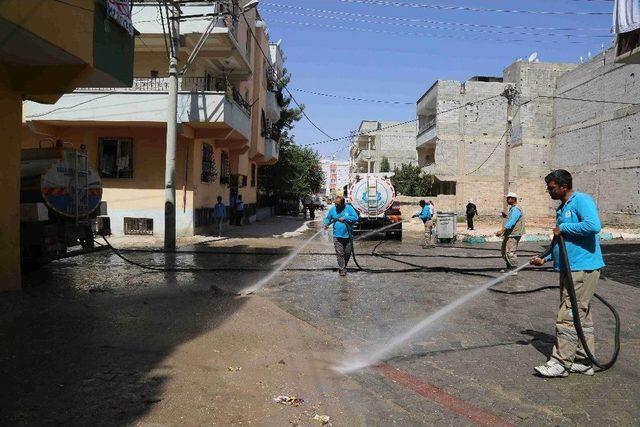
(234, 368)
(289, 400)
(324, 419)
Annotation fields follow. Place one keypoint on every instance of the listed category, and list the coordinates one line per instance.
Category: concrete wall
(599, 143)
(468, 148)
(395, 142)
(531, 139)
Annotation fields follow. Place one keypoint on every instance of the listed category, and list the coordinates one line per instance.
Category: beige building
(376, 140)
(226, 104)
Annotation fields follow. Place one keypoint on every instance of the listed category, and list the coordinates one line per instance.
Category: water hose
(575, 310)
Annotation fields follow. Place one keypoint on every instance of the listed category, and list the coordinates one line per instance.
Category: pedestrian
(343, 216)
(233, 201)
(511, 232)
(306, 203)
(578, 222)
(239, 211)
(472, 211)
(426, 215)
(219, 214)
(312, 208)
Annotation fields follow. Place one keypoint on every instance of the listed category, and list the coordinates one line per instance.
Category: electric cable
(349, 98)
(470, 9)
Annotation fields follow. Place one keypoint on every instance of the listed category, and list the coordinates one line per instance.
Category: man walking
(511, 232)
(578, 222)
(219, 214)
(239, 211)
(342, 216)
(426, 215)
(472, 211)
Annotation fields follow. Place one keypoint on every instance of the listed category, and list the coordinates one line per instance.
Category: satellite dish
(533, 57)
(581, 60)
(589, 54)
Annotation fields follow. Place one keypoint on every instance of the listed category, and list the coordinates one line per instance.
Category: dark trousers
(343, 247)
(239, 217)
(470, 222)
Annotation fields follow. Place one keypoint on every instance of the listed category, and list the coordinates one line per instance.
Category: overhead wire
(471, 9)
(350, 98)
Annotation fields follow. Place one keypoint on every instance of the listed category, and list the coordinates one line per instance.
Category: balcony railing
(426, 125)
(185, 84)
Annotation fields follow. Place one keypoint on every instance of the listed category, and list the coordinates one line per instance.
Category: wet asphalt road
(476, 361)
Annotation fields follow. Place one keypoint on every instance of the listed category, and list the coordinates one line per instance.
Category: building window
(224, 167)
(253, 174)
(115, 158)
(248, 46)
(264, 128)
(138, 226)
(208, 164)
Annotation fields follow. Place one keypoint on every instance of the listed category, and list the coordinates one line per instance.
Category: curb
(607, 236)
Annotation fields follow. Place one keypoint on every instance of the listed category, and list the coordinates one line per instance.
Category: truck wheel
(398, 235)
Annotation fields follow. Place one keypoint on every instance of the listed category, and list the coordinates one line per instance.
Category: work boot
(579, 368)
(552, 369)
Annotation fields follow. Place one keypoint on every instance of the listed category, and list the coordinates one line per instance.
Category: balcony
(426, 133)
(273, 109)
(209, 113)
(271, 152)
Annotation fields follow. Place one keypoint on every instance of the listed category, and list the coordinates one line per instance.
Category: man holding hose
(342, 216)
(578, 222)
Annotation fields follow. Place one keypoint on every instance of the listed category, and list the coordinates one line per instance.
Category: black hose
(575, 310)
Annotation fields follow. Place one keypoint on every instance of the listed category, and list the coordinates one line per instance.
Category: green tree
(410, 180)
(298, 169)
(384, 165)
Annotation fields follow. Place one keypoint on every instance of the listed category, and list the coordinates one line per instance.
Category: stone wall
(599, 142)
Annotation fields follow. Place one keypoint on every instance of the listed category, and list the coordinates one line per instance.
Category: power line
(285, 88)
(74, 5)
(470, 9)
(329, 95)
(404, 22)
(429, 21)
(71, 107)
(428, 35)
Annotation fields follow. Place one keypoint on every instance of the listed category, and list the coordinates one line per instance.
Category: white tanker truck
(60, 195)
(374, 198)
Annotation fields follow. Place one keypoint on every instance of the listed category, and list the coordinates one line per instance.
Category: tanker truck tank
(374, 198)
(59, 197)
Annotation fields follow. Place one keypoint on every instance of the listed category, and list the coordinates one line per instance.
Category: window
(224, 167)
(138, 226)
(208, 164)
(154, 74)
(264, 130)
(253, 174)
(115, 158)
(248, 46)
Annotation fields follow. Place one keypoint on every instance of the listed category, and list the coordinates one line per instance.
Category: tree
(298, 169)
(409, 180)
(384, 165)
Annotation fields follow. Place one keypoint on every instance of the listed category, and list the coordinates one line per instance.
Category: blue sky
(397, 58)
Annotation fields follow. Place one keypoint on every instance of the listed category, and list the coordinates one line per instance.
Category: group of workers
(577, 220)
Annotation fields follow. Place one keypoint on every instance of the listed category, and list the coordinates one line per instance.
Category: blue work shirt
(219, 210)
(425, 214)
(341, 229)
(579, 223)
(514, 215)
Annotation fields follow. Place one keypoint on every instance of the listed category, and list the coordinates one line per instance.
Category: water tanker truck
(374, 198)
(60, 197)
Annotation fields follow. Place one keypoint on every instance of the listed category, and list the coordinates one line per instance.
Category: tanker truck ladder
(81, 185)
(372, 196)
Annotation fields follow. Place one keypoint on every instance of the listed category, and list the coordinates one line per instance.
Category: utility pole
(509, 93)
(172, 132)
(369, 155)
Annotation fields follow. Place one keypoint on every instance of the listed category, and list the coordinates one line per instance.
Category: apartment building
(226, 103)
(377, 139)
(40, 62)
(336, 176)
(460, 126)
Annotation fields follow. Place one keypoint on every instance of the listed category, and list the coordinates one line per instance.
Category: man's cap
(511, 194)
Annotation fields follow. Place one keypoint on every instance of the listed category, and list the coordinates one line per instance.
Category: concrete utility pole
(172, 132)
(509, 93)
(369, 155)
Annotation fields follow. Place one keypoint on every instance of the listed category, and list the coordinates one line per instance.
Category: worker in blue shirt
(511, 231)
(426, 215)
(342, 216)
(578, 222)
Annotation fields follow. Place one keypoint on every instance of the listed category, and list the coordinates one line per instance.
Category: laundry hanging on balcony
(626, 16)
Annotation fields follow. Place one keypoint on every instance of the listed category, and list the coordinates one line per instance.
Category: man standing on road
(219, 214)
(511, 231)
(472, 211)
(239, 210)
(577, 220)
(426, 215)
(342, 216)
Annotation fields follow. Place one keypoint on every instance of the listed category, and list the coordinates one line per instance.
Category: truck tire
(398, 235)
